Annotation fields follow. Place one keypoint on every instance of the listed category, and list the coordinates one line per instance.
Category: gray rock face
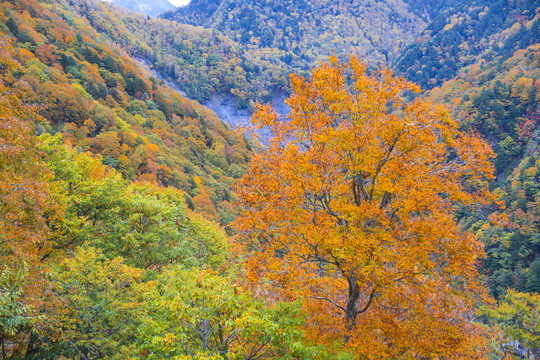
(148, 7)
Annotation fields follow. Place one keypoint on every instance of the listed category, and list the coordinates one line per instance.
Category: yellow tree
(350, 209)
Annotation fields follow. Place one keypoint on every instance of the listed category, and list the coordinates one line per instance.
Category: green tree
(517, 319)
(145, 224)
(101, 297)
(202, 315)
(533, 281)
(14, 313)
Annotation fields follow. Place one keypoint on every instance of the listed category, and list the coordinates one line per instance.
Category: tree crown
(351, 209)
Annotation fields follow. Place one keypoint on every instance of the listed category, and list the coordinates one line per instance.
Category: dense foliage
(92, 264)
(517, 318)
(485, 60)
(102, 101)
(500, 99)
(466, 33)
(307, 31)
(350, 210)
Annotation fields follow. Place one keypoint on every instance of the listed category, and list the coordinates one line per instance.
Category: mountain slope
(501, 100)
(307, 31)
(101, 100)
(202, 62)
(90, 260)
(465, 33)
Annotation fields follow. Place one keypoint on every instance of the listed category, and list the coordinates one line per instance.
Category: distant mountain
(148, 7)
(308, 31)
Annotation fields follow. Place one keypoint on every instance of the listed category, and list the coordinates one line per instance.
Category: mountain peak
(148, 7)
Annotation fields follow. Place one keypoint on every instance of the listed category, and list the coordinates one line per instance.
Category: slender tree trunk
(204, 330)
(350, 309)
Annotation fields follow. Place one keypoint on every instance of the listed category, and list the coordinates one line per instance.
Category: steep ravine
(223, 106)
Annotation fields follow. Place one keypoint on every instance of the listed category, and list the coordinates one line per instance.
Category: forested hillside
(500, 99)
(306, 32)
(96, 240)
(100, 100)
(202, 62)
(464, 33)
(91, 264)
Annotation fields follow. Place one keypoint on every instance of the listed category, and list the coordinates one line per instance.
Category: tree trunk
(350, 310)
(204, 333)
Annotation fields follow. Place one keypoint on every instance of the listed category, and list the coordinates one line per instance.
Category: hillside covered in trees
(306, 32)
(202, 62)
(101, 100)
(383, 220)
(92, 263)
(464, 33)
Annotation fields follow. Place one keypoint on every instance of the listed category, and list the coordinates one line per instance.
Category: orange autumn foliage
(27, 200)
(204, 205)
(24, 188)
(350, 210)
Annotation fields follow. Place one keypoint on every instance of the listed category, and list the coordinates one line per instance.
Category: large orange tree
(351, 211)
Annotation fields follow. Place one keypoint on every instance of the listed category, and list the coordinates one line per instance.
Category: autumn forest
(255, 179)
